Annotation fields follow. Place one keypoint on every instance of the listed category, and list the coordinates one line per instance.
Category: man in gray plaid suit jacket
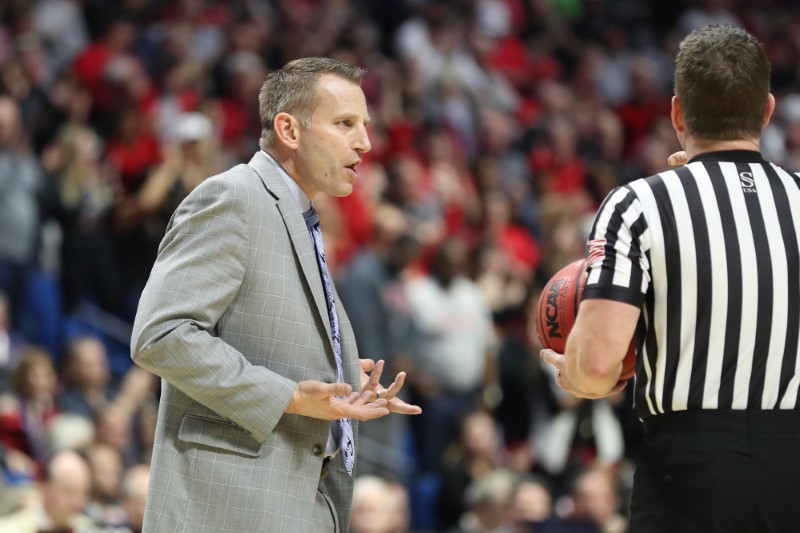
(235, 320)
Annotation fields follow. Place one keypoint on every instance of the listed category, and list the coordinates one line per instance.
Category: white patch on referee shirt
(747, 181)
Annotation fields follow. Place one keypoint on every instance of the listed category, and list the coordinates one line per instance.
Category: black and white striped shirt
(711, 252)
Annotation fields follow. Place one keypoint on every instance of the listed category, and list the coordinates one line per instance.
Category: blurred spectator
(235, 111)
(17, 471)
(26, 413)
(613, 67)
(579, 433)
(707, 12)
(488, 501)
(115, 429)
(372, 291)
(409, 188)
(65, 493)
(137, 404)
(457, 359)
(474, 456)
(10, 344)
(84, 194)
(203, 22)
(596, 499)
(105, 506)
(134, 495)
(557, 166)
(646, 104)
(191, 156)
(20, 182)
(133, 148)
(128, 423)
(68, 431)
(62, 28)
(522, 384)
(532, 504)
(86, 378)
(452, 183)
(399, 511)
(180, 93)
(502, 165)
(109, 69)
(508, 255)
(16, 515)
(378, 506)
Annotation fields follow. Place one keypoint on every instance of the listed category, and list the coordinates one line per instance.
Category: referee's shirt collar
(733, 156)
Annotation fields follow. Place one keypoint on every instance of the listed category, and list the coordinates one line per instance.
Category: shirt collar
(297, 193)
(734, 156)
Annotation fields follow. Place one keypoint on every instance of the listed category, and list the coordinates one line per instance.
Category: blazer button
(328, 379)
(317, 450)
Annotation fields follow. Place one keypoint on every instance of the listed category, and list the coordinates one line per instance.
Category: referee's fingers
(553, 357)
(677, 159)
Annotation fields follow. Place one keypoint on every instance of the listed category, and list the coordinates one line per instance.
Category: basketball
(558, 306)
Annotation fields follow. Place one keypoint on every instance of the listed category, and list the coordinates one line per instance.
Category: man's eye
(346, 123)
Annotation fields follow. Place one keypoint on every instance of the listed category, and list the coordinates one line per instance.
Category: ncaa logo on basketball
(747, 182)
(551, 311)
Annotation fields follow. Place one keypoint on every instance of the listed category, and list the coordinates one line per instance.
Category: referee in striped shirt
(702, 266)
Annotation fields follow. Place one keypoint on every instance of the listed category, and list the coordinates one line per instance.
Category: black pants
(718, 471)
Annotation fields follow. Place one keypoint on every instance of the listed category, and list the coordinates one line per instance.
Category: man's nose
(362, 143)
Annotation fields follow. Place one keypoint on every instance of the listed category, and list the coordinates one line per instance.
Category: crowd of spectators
(497, 128)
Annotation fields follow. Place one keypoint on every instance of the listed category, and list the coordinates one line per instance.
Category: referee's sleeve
(616, 253)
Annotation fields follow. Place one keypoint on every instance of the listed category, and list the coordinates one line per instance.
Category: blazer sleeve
(201, 265)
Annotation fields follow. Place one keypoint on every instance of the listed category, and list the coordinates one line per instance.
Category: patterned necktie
(346, 441)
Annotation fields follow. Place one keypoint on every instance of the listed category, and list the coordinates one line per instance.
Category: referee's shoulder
(682, 172)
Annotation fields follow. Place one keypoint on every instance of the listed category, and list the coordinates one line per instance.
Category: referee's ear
(676, 114)
(770, 109)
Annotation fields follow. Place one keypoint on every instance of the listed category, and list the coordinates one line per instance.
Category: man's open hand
(371, 383)
(332, 401)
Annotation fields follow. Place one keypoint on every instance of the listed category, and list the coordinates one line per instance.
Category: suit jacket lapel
(298, 233)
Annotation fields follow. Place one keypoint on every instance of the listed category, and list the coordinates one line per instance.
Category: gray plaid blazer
(233, 315)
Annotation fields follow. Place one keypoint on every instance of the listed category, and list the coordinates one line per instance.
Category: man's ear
(287, 129)
(770, 109)
(676, 114)
(678, 124)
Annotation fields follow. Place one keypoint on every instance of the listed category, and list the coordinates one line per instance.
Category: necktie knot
(312, 217)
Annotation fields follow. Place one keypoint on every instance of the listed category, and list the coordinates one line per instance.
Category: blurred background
(497, 128)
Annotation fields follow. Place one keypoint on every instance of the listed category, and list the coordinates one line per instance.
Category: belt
(326, 464)
(723, 421)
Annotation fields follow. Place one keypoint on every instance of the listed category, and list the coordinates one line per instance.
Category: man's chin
(342, 191)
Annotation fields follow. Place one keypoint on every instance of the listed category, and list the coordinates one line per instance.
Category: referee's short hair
(722, 82)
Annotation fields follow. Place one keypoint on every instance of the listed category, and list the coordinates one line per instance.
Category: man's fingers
(677, 159)
(366, 365)
(395, 387)
(340, 389)
(375, 378)
(396, 405)
(318, 389)
(619, 387)
(551, 356)
(353, 407)
(365, 413)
